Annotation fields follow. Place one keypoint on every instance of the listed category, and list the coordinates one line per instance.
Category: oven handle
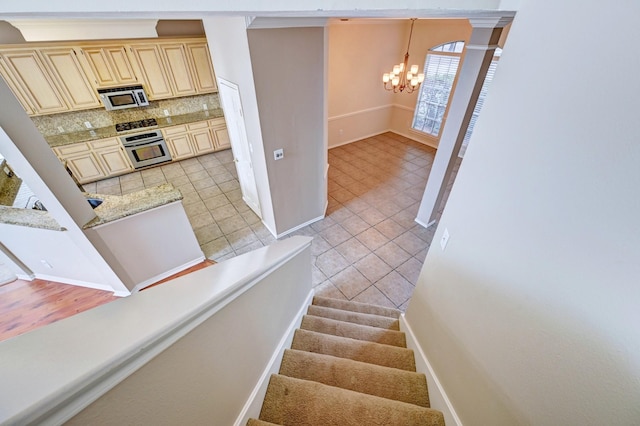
(142, 142)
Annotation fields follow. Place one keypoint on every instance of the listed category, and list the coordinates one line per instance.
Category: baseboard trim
(421, 223)
(437, 395)
(251, 408)
(302, 225)
(359, 138)
(413, 138)
(152, 280)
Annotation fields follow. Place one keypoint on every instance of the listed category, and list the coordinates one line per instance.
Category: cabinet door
(109, 65)
(15, 88)
(201, 137)
(178, 69)
(152, 70)
(85, 167)
(28, 71)
(219, 131)
(70, 77)
(112, 157)
(180, 147)
(200, 61)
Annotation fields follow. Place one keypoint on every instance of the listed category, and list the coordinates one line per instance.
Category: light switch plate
(445, 239)
(278, 154)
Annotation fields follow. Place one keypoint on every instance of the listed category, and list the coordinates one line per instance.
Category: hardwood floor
(27, 305)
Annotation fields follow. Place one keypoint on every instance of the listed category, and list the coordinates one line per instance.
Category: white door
(240, 145)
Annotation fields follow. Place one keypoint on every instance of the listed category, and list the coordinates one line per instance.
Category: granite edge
(109, 132)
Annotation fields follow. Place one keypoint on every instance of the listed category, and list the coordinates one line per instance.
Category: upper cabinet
(109, 65)
(27, 70)
(152, 70)
(200, 60)
(63, 64)
(49, 78)
(174, 68)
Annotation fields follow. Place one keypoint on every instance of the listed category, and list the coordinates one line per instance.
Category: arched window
(440, 72)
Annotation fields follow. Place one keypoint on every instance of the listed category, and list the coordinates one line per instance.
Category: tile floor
(368, 248)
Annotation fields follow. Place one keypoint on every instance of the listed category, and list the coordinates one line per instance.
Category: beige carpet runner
(348, 365)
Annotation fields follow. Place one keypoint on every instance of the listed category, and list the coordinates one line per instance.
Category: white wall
(229, 47)
(360, 51)
(289, 74)
(530, 314)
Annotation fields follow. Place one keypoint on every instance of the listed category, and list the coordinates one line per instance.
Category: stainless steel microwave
(123, 97)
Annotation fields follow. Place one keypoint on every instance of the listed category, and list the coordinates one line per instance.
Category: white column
(479, 53)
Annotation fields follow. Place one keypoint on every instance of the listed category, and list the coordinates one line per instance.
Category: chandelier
(400, 80)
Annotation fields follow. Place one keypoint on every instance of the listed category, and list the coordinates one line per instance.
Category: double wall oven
(146, 148)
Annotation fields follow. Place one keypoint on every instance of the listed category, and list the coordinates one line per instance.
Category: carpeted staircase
(348, 365)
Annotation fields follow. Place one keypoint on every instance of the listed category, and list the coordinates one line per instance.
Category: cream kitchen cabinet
(25, 69)
(15, 87)
(178, 142)
(95, 160)
(178, 68)
(112, 157)
(63, 65)
(109, 65)
(81, 161)
(219, 132)
(200, 60)
(189, 140)
(148, 59)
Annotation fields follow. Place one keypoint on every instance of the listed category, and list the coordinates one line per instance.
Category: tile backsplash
(70, 122)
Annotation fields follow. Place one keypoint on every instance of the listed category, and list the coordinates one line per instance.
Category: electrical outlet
(444, 239)
(278, 154)
(166, 112)
(60, 129)
(87, 125)
(205, 107)
(47, 264)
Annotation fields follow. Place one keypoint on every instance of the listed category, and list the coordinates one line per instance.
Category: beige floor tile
(201, 220)
(353, 250)
(372, 239)
(232, 224)
(410, 243)
(375, 297)
(410, 270)
(319, 245)
(395, 287)
(372, 267)
(195, 209)
(355, 225)
(390, 229)
(253, 246)
(209, 192)
(217, 248)
(217, 201)
(350, 282)
(203, 183)
(392, 254)
(224, 212)
(331, 262)
(327, 289)
(189, 198)
(372, 216)
(335, 235)
(208, 233)
(241, 238)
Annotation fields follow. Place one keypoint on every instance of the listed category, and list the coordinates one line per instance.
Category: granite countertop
(28, 217)
(109, 132)
(116, 207)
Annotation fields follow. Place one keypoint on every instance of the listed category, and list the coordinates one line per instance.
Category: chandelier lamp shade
(403, 78)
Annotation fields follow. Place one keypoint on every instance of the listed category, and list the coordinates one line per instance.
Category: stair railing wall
(186, 352)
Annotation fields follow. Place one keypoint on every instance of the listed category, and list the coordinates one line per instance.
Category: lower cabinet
(95, 160)
(189, 140)
(103, 158)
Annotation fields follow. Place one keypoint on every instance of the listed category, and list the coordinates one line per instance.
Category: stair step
(363, 308)
(256, 422)
(371, 320)
(385, 382)
(357, 350)
(353, 331)
(291, 401)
